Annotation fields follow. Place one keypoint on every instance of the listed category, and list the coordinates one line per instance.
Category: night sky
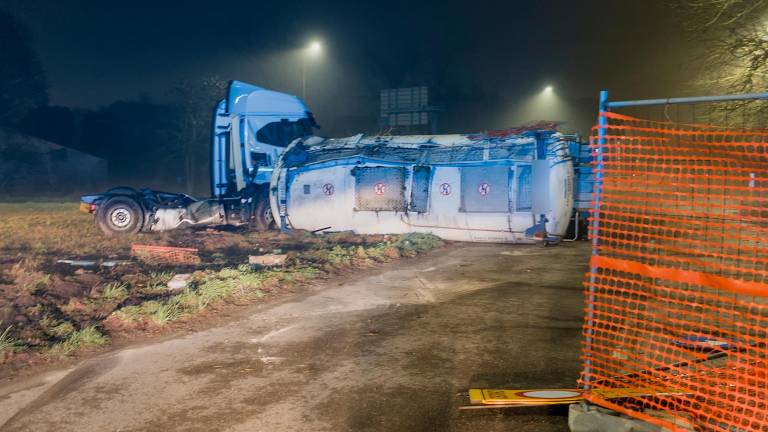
(485, 60)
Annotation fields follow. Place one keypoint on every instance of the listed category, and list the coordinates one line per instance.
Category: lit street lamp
(312, 50)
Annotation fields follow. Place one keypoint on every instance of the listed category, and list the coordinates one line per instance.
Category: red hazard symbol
(445, 189)
(328, 189)
(484, 189)
(379, 188)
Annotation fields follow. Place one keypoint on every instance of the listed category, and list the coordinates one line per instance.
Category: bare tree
(196, 100)
(733, 36)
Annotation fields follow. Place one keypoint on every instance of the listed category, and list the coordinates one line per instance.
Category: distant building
(408, 110)
(33, 166)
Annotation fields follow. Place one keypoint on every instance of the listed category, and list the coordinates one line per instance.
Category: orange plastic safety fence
(677, 294)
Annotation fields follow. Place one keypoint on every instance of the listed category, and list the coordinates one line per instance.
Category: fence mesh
(677, 294)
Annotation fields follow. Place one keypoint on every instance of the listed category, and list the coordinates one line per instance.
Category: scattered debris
(115, 263)
(165, 254)
(46, 303)
(267, 260)
(92, 263)
(77, 263)
(179, 281)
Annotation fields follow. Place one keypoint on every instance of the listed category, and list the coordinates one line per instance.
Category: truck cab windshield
(283, 132)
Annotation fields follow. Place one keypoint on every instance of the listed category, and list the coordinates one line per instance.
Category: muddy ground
(391, 349)
(50, 310)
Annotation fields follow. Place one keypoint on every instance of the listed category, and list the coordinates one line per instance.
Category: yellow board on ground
(530, 396)
(557, 396)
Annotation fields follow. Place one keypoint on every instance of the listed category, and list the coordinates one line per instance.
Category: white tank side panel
(321, 209)
(329, 202)
(326, 198)
(443, 206)
(521, 221)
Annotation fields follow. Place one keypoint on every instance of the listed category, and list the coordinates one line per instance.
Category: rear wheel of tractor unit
(262, 216)
(120, 215)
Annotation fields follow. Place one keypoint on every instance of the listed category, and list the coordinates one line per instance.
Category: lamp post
(313, 49)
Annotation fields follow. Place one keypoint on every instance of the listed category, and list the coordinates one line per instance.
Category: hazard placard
(379, 188)
(328, 189)
(445, 189)
(484, 189)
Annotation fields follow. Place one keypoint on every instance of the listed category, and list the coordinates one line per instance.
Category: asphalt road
(390, 350)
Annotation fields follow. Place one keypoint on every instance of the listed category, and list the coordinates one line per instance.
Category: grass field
(52, 309)
(53, 229)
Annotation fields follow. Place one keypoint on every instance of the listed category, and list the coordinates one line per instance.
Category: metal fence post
(602, 122)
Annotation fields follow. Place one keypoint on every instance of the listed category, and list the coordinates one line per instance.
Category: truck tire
(120, 215)
(262, 218)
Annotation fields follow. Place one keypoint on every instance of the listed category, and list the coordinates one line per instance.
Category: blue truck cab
(251, 128)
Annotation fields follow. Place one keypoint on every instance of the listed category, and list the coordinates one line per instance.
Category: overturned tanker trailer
(268, 168)
(514, 187)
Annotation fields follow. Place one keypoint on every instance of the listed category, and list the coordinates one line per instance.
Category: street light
(549, 89)
(313, 50)
(315, 47)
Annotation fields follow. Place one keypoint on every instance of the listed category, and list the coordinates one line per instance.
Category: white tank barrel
(515, 188)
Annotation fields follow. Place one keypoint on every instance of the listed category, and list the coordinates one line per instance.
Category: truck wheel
(120, 215)
(262, 218)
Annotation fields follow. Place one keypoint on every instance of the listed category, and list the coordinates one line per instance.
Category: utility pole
(313, 49)
(304, 78)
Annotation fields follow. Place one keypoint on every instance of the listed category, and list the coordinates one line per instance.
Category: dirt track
(387, 351)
